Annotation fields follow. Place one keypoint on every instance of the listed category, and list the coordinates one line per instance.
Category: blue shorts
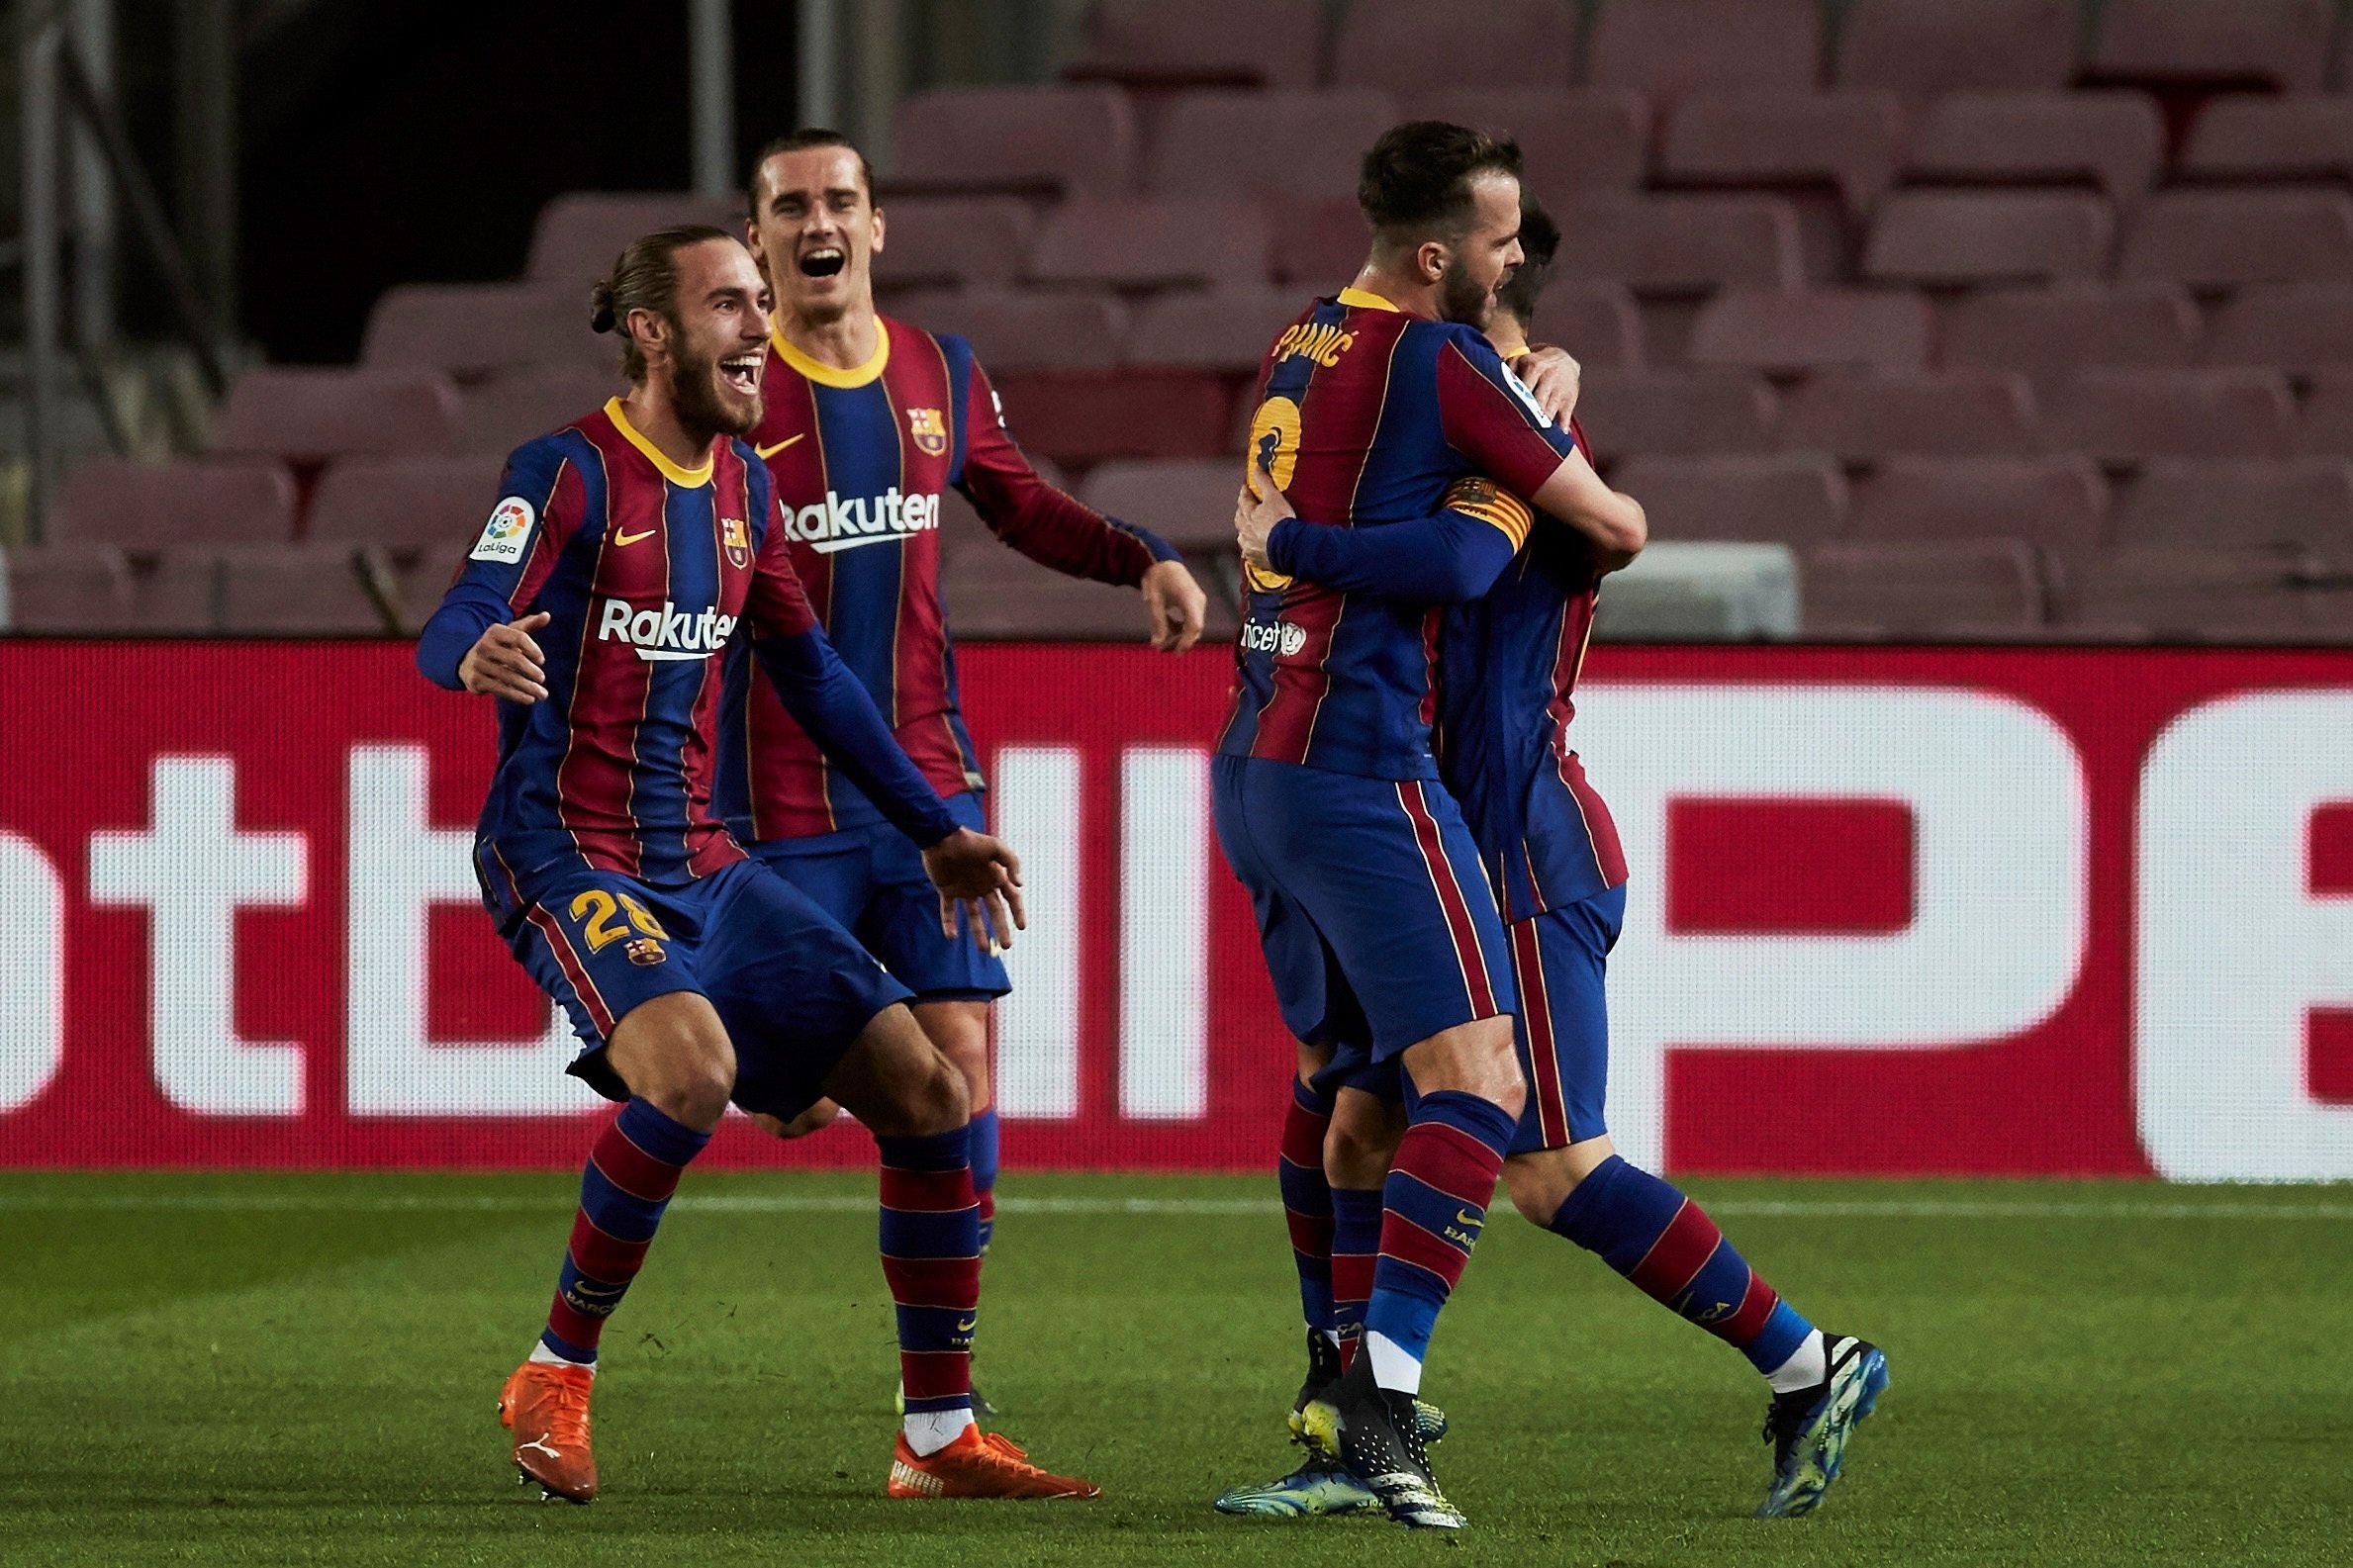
(1559, 959)
(871, 880)
(792, 987)
(1379, 924)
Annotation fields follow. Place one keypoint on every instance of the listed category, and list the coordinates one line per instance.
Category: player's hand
(815, 1119)
(505, 662)
(980, 883)
(1178, 607)
(1551, 379)
(1260, 507)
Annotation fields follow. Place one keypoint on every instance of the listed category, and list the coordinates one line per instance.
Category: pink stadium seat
(1223, 329)
(1071, 141)
(2307, 501)
(1929, 47)
(2324, 418)
(1675, 412)
(306, 415)
(502, 413)
(1668, 48)
(418, 582)
(2222, 239)
(2296, 327)
(1014, 329)
(2049, 332)
(1081, 417)
(2284, 43)
(1189, 503)
(176, 591)
(1573, 141)
(1843, 140)
(950, 240)
(1294, 145)
(405, 503)
(314, 590)
(472, 329)
(1679, 244)
(1953, 237)
(1789, 499)
(84, 588)
(1597, 322)
(1204, 42)
(1139, 243)
(2217, 596)
(157, 505)
(2253, 136)
(2114, 140)
(993, 593)
(579, 236)
(1864, 419)
(1827, 328)
(1915, 590)
(1318, 244)
(2130, 416)
(1402, 44)
(2058, 502)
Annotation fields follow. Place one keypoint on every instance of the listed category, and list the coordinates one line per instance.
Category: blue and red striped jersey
(1367, 416)
(860, 459)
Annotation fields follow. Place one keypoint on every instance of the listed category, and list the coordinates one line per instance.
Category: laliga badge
(507, 533)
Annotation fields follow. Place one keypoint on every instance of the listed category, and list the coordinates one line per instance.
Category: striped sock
(1673, 1254)
(984, 1171)
(1433, 1205)
(632, 1169)
(931, 1255)
(1307, 1200)
(1356, 1243)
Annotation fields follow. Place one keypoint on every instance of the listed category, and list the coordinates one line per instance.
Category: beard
(705, 402)
(1462, 298)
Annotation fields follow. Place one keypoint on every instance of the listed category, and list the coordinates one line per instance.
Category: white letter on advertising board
(1164, 933)
(32, 972)
(1037, 1026)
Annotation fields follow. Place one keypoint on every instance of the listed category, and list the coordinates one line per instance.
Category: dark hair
(798, 141)
(644, 278)
(1416, 181)
(1539, 242)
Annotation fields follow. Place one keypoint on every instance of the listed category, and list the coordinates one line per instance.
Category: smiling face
(713, 350)
(815, 231)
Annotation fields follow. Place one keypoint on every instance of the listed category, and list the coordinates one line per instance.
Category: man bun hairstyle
(1540, 243)
(1415, 184)
(644, 277)
(799, 141)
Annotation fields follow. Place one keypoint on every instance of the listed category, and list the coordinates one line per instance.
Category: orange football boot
(978, 1466)
(547, 1407)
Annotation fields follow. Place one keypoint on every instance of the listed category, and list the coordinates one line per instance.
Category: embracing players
(631, 552)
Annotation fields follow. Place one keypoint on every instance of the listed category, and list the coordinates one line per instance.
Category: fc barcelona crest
(738, 540)
(929, 430)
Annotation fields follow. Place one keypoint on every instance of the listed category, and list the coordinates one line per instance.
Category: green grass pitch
(258, 1369)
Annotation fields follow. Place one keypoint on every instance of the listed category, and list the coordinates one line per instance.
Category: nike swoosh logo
(625, 536)
(771, 451)
(968, 1325)
(1465, 1217)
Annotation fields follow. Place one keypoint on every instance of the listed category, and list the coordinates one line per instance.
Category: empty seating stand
(1670, 47)
(2299, 327)
(1794, 499)
(579, 236)
(1865, 418)
(2228, 238)
(1975, 237)
(2113, 141)
(473, 330)
(151, 506)
(1988, 587)
(2124, 418)
(2282, 44)
(2059, 503)
(1078, 141)
(308, 415)
(2051, 334)
(407, 505)
(1925, 48)
(1190, 504)
(950, 240)
(1675, 412)
(1401, 45)
(2178, 503)
(2252, 137)
(1150, 43)
(1138, 243)
(1573, 141)
(1823, 329)
(1293, 146)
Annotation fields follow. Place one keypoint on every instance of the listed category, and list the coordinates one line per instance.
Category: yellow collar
(833, 375)
(1366, 299)
(684, 478)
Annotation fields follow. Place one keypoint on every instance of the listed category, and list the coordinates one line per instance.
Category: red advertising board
(1895, 911)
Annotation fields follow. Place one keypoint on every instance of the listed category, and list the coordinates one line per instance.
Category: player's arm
(1446, 558)
(1491, 420)
(480, 638)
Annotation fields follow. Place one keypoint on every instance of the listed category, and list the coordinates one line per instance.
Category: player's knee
(1358, 1153)
(1537, 1188)
(694, 1087)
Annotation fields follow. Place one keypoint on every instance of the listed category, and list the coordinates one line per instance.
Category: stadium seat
(2224, 239)
(1203, 42)
(1141, 243)
(2209, 594)
(2296, 327)
(2051, 332)
(1573, 141)
(1679, 244)
(1597, 322)
(994, 593)
(1963, 587)
(306, 414)
(1864, 419)
(175, 593)
(1015, 140)
(472, 329)
(2252, 136)
(1925, 48)
(1294, 145)
(579, 236)
(418, 582)
(2282, 43)
(2324, 416)
(1792, 499)
(312, 590)
(1081, 417)
(502, 413)
(1015, 330)
(1958, 238)
(1226, 329)
(1675, 412)
(1670, 47)
(1825, 330)
(64, 588)
(1846, 141)
(2130, 417)
(1189, 503)
(404, 504)
(2058, 502)
(1318, 243)
(1400, 45)
(2113, 141)
(944, 240)
(157, 505)
(2307, 500)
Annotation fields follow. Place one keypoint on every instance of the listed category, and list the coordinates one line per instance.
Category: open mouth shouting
(823, 262)
(741, 372)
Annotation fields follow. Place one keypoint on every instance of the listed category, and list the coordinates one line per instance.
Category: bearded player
(1508, 666)
(867, 421)
(599, 607)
